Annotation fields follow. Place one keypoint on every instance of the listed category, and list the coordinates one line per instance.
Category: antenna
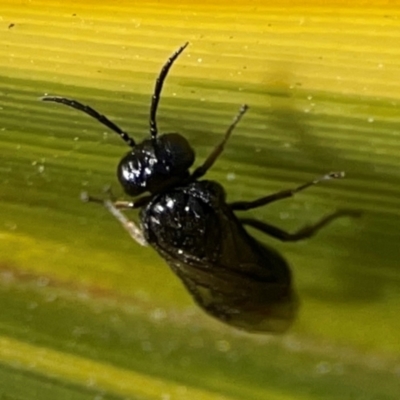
(157, 90)
(93, 113)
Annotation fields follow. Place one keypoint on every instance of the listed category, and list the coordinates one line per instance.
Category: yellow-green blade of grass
(85, 312)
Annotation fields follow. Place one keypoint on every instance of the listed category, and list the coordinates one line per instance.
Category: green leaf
(88, 314)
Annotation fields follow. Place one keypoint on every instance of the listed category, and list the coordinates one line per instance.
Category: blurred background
(86, 313)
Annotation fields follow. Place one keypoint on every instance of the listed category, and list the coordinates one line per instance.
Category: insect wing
(241, 287)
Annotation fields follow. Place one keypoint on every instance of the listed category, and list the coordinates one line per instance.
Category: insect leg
(94, 114)
(200, 171)
(135, 232)
(303, 233)
(120, 204)
(284, 194)
(125, 205)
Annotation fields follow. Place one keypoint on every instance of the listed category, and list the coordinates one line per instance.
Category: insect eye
(177, 150)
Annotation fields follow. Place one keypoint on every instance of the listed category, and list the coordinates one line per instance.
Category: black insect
(188, 221)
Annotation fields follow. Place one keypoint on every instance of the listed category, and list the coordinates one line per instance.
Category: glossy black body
(155, 164)
(188, 221)
(230, 274)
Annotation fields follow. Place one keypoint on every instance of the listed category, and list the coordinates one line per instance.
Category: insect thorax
(184, 221)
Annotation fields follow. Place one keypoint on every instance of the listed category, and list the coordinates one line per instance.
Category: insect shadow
(231, 275)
